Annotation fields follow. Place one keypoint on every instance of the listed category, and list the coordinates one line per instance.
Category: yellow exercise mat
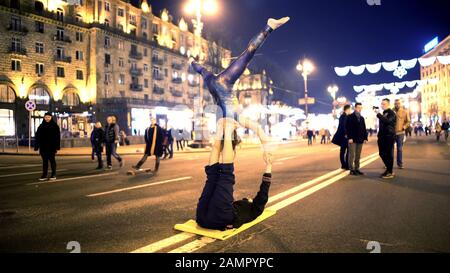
(192, 227)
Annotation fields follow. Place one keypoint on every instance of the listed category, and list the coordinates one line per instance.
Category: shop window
(71, 99)
(7, 94)
(40, 96)
(7, 122)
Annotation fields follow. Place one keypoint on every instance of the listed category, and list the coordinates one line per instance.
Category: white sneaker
(274, 24)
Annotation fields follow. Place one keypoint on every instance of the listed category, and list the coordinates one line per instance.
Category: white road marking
(19, 174)
(157, 246)
(19, 166)
(203, 241)
(140, 186)
(285, 158)
(72, 178)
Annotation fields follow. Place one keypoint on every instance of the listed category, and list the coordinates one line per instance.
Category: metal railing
(9, 144)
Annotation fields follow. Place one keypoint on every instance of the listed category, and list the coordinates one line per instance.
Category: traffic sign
(310, 101)
(30, 106)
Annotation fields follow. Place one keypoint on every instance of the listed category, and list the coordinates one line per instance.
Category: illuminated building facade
(87, 60)
(436, 97)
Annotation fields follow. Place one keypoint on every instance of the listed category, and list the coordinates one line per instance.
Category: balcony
(64, 59)
(136, 87)
(17, 28)
(158, 77)
(65, 39)
(136, 55)
(177, 66)
(17, 50)
(136, 72)
(177, 80)
(158, 90)
(157, 61)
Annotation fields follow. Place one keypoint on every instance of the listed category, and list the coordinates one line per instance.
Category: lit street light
(333, 89)
(197, 8)
(306, 67)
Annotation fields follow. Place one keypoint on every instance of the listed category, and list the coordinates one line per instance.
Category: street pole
(305, 76)
(29, 131)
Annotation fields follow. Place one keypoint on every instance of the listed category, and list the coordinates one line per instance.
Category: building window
(60, 72)
(121, 62)
(39, 48)
(60, 34)
(79, 36)
(38, 6)
(60, 53)
(60, 15)
(78, 18)
(144, 23)
(107, 78)
(16, 44)
(145, 83)
(107, 59)
(70, 99)
(7, 94)
(39, 26)
(132, 18)
(120, 45)
(120, 27)
(16, 23)
(121, 79)
(107, 22)
(16, 65)
(79, 74)
(120, 12)
(145, 67)
(79, 55)
(40, 96)
(7, 126)
(107, 6)
(40, 69)
(107, 42)
(144, 34)
(145, 52)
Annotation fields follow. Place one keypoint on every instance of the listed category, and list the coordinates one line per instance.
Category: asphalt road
(112, 212)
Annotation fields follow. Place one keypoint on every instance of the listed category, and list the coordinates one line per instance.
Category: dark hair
(358, 104)
(387, 100)
(48, 114)
(234, 142)
(347, 106)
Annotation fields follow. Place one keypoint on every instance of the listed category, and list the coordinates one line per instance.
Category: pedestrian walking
(438, 131)
(386, 137)
(180, 137)
(111, 140)
(403, 123)
(445, 127)
(340, 138)
(48, 142)
(323, 136)
(97, 141)
(154, 138)
(310, 134)
(357, 136)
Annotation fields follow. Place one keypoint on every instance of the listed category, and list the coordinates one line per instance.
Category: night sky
(328, 32)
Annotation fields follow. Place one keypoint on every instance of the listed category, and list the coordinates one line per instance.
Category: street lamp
(333, 89)
(197, 8)
(305, 67)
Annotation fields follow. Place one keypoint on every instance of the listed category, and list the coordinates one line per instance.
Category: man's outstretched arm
(262, 197)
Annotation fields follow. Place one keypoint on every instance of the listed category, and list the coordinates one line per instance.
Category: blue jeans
(111, 151)
(399, 139)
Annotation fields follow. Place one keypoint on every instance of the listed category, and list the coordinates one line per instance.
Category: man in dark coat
(386, 137)
(48, 141)
(357, 135)
(168, 144)
(340, 138)
(154, 138)
(111, 141)
(97, 140)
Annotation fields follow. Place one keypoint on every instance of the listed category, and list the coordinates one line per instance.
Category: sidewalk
(122, 150)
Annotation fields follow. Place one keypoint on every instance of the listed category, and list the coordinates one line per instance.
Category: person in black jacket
(154, 138)
(97, 140)
(216, 208)
(168, 147)
(111, 141)
(386, 137)
(340, 138)
(357, 136)
(48, 142)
